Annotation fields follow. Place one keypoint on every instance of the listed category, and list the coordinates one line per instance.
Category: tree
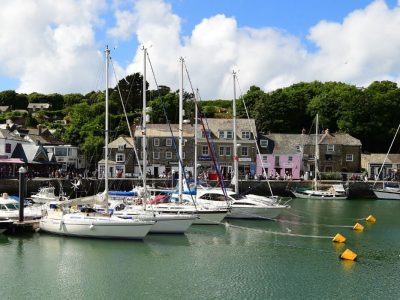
(14, 100)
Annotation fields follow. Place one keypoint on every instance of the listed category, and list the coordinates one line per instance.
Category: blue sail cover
(123, 193)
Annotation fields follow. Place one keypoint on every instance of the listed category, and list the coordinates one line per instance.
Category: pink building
(281, 156)
(282, 166)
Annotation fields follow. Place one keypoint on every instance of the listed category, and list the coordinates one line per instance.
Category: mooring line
(280, 233)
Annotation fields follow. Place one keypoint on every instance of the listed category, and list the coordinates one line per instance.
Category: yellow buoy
(371, 219)
(338, 238)
(358, 227)
(348, 255)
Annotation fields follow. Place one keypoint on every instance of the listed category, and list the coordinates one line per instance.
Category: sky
(58, 46)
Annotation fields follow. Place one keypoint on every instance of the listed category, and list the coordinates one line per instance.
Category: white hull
(318, 197)
(29, 214)
(164, 223)
(205, 216)
(82, 225)
(380, 194)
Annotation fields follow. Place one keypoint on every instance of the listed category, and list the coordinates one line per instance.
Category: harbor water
(291, 258)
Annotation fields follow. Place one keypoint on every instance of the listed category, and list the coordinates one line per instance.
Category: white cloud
(50, 45)
(362, 48)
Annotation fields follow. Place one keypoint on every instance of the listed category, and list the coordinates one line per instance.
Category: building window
(168, 155)
(298, 148)
(228, 151)
(156, 142)
(156, 155)
(225, 151)
(8, 148)
(121, 147)
(168, 142)
(246, 135)
(61, 152)
(204, 150)
(245, 151)
(349, 157)
(264, 143)
(226, 134)
(276, 161)
(120, 157)
(290, 159)
(328, 157)
(330, 148)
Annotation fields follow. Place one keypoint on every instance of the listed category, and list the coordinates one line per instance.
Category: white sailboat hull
(164, 223)
(205, 216)
(389, 195)
(318, 196)
(82, 225)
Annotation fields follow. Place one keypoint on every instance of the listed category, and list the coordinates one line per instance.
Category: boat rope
(279, 233)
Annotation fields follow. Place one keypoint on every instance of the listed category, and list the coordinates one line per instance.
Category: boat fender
(338, 238)
(91, 226)
(371, 219)
(358, 227)
(61, 224)
(348, 255)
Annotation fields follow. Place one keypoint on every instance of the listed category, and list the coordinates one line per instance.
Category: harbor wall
(90, 186)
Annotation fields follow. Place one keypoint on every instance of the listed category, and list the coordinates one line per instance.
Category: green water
(242, 260)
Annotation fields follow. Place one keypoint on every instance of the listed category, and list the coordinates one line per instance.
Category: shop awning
(11, 161)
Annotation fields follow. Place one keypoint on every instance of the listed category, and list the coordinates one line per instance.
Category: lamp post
(22, 188)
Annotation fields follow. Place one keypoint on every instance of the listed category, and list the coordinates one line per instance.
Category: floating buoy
(348, 255)
(371, 219)
(338, 238)
(358, 227)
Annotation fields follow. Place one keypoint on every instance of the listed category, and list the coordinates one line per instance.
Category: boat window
(243, 203)
(236, 196)
(213, 197)
(3, 207)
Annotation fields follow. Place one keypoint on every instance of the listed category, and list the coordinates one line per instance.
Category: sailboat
(336, 191)
(207, 215)
(389, 190)
(241, 206)
(164, 222)
(89, 223)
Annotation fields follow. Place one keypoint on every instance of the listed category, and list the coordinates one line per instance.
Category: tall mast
(144, 137)
(235, 156)
(180, 129)
(106, 133)
(195, 137)
(316, 155)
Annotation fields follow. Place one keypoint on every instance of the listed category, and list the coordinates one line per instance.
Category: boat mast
(235, 156)
(106, 133)
(180, 183)
(144, 137)
(316, 154)
(195, 137)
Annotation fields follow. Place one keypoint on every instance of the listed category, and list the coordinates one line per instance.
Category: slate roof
(283, 143)
(121, 140)
(216, 125)
(10, 135)
(163, 130)
(378, 158)
(30, 153)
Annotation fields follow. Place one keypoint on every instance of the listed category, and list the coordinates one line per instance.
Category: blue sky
(56, 46)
